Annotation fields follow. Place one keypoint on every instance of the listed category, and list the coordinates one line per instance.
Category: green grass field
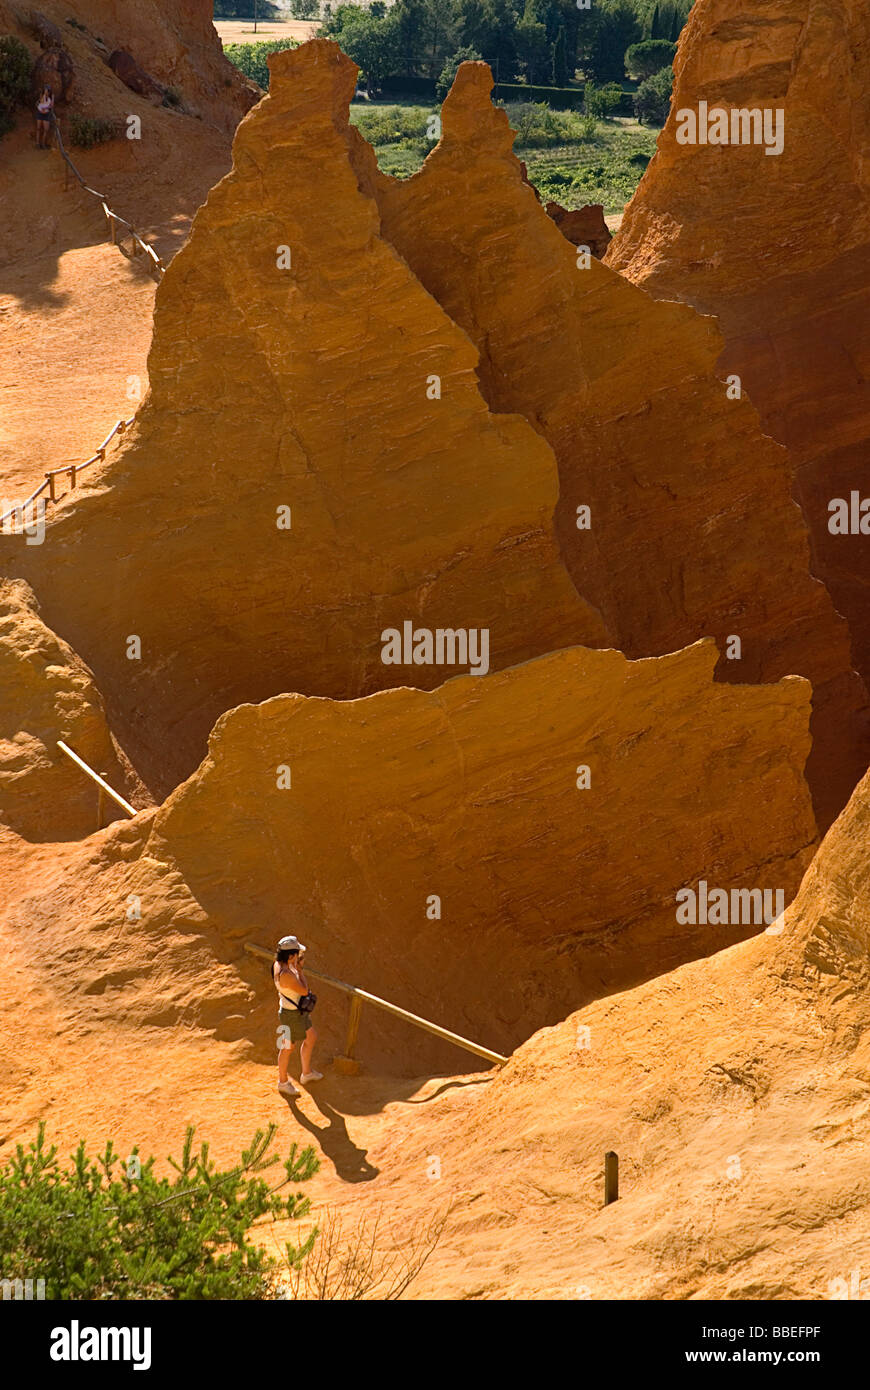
(572, 159)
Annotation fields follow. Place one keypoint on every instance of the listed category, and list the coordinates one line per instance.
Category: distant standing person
(295, 1003)
(44, 108)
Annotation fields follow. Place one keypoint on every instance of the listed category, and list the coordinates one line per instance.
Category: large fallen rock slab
(691, 529)
(46, 694)
(442, 849)
(315, 466)
(778, 247)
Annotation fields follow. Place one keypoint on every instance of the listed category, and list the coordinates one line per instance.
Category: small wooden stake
(346, 1063)
(611, 1177)
(52, 486)
(353, 1024)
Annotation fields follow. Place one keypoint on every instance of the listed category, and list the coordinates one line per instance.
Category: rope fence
(49, 484)
(18, 514)
(156, 267)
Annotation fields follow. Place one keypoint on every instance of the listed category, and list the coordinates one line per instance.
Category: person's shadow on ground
(349, 1161)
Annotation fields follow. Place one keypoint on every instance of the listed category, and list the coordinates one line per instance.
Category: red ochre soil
(724, 1058)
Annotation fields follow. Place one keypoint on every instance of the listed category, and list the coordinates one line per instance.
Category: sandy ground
(242, 30)
(74, 359)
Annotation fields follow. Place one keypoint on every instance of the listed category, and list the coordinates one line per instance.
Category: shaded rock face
(46, 694)
(315, 464)
(778, 247)
(55, 69)
(432, 842)
(125, 67)
(176, 44)
(745, 1074)
(49, 34)
(693, 530)
(583, 226)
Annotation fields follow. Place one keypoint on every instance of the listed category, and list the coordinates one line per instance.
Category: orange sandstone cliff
(777, 246)
(692, 529)
(315, 463)
(431, 840)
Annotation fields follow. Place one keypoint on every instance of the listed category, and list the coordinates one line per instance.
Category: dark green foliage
(644, 59)
(490, 27)
(244, 9)
(534, 50)
(87, 131)
(15, 70)
(251, 58)
(400, 84)
(560, 61)
(652, 100)
(305, 9)
(374, 44)
(571, 157)
(560, 98)
(93, 1232)
(449, 70)
(608, 30)
(602, 101)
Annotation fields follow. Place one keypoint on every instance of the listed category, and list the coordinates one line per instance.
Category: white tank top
(287, 995)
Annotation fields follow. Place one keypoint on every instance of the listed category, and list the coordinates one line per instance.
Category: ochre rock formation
(336, 388)
(582, 226)
(693, 530)
(778, 246)
(48, 694)
(343, 819)
(176, 44)
(734, 1091)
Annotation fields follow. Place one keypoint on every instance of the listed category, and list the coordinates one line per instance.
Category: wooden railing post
(346, 1062)
(611, 1177)
(52, 486)
(362, 996)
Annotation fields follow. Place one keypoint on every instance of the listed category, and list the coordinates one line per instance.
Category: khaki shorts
(296, 1023)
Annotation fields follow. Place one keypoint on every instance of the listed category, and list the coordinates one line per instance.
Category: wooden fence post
(346, 1063)
(611, 1177)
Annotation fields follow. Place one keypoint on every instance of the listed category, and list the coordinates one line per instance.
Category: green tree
(644, 59)
(101, 1228)
(15, 70)
(560, 61)
(305, 9)
(374, 44)
(611, 27)
(602, 101)
(451, 67)
(244, 9)
(490, 26)
(533, 49)
(652, 100)
(252, 58)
